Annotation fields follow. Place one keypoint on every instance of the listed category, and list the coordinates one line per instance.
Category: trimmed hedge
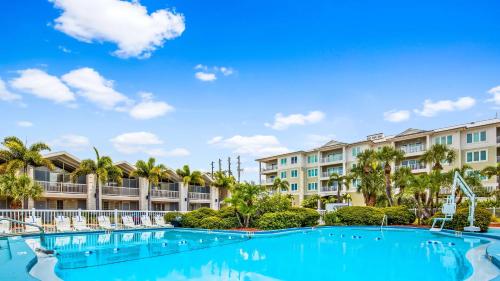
(331, 218)
(174, 218)
(193, 219)
(279, 220)
(307, 217)
(482, 219)
(357, 215)
(399, 215)
(211, 222)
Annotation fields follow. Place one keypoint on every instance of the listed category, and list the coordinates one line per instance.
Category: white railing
(329, 188)
(120, 191)
(412, 148)
(63, 187)
(269, 180)
(270, 168)
(412, 167)
(47, 217)
(330, 159)
(199, 196)
(159, 193)
(329, 173)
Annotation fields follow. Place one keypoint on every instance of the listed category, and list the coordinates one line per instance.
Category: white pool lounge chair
(160, 221)
(146, 221)
(62, 224)
(4, 226)
(105, 223)
(128, 222)
(80, 223)
(33, 220)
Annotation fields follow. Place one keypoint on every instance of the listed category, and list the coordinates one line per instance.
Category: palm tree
(418, 187)
(244, 198)
(437, 154)
(472, 179)
(388, 155)
(280, 185)
(19, 188)
(150, 171)
(223, 182)
(102, 168)
(402, 178)
(491, 171)
(340, 180)
(18, 156)
(188, 177)
(371, 174)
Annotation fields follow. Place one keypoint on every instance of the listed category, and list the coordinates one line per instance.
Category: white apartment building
(477, 144)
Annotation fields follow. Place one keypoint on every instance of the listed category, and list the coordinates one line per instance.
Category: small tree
(341, 180)
(244, 198)
(280, 185)
(19, 188)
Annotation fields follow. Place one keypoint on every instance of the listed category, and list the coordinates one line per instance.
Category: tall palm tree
(18, 156)
(223, 182)
(152, 172)
(341, 180)
(388, 155)
(19, 188)
(418, 187)
(437, 154)
(103, 169)
(188, 177)
(402, 178)
(280, 185)
(371, 174)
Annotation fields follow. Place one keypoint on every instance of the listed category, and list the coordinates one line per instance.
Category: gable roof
(409, 131)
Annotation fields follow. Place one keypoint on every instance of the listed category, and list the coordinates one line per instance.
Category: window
(312, 159)
(294, 173)
(293, 187)
(283, 175)
(312, 173)
(356, 151)
(444, 140)
(294, 160)
(336, 170)
(477, 156)
(283, 161)
(476, 137)
(312, 186)
(356, 183)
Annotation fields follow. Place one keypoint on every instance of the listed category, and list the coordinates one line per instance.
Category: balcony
(413, 167)
(332, 159)
(270, 168)
(161, 193)
(409, 149)
(329, 188)
(327, 174)
(120, 191)
(199, 196)
(63, 187)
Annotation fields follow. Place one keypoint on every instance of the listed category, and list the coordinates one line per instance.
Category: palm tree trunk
(339, 186)
(149, 196)
(388, 186)
(97, 195)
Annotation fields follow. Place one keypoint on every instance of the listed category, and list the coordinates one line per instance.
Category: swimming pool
(329, 253)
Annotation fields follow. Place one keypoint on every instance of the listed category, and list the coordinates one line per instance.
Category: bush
(211, 222)
(307, 217)
(331, 218)
(273, 203)
(279, 220)
(358, 215)
(482, 219)
(399, 215)
(173, 217)
(193, 219)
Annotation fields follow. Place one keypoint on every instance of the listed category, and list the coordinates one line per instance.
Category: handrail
(384, 219)
(42, 231)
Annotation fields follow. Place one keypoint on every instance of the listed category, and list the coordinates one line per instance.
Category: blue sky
(138, 79)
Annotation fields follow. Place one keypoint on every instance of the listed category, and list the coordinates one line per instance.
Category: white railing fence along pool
(48, 218)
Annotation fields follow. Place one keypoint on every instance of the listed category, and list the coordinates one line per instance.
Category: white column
(214, 198)
(143, 193)
(91, 187)
(183, 197)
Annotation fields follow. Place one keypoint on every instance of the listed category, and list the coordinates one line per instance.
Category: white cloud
(215, 140)
(257, 145)
(38, 83)
(75, 142)
(24, 124)
(495, 92)
(148, 108)
(433, 108)
(397, 115)
(176, 152)
(135, 142)
(64, 49)
(95, 88)
(226, 71)
(125, 23)
(5, 94)
(205, 76)
(282, 122)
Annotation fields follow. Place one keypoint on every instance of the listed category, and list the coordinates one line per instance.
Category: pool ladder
(42, 231)
(384, 220)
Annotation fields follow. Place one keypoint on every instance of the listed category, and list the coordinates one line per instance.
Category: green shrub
(229, 217)
(279, 220)
(482, 219)
(193, 218)
(307, 217)
(399, 215)
(230, 222)
(171, 217)
(331, 218)
(211, 222)
(358, 215)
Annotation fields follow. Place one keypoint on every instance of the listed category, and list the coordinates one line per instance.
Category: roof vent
(375, 137)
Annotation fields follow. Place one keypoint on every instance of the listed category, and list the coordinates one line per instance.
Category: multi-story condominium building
(477, 144)
(60, 192)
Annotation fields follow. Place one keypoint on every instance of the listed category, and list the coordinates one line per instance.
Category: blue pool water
(337, 253)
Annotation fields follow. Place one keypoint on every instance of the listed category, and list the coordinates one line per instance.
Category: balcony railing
(159, 193)
(413, 148)
(412, 167)
(331, 188)
(199, 196)
(331, 159)
(270, 168)
(63, 187)
(327, 174)
(120, 191)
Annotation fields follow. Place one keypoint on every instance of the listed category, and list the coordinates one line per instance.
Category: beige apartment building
(477, 144)
(60, 193)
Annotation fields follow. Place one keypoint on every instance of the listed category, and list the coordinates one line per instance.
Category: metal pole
(239, 168)
(212, 165)
(229, 166)
(220, 165)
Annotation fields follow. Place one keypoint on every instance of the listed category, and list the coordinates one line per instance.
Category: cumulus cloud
(95, 88)
(24, 124)
(40, 84)
(74, 142)
(257, 145)
(5, 94)
(208, 74)
(431, 108)
(125, 23)
(148, 108)
(282, 122)
(135, 142)
(397, 115)
(495, 95)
